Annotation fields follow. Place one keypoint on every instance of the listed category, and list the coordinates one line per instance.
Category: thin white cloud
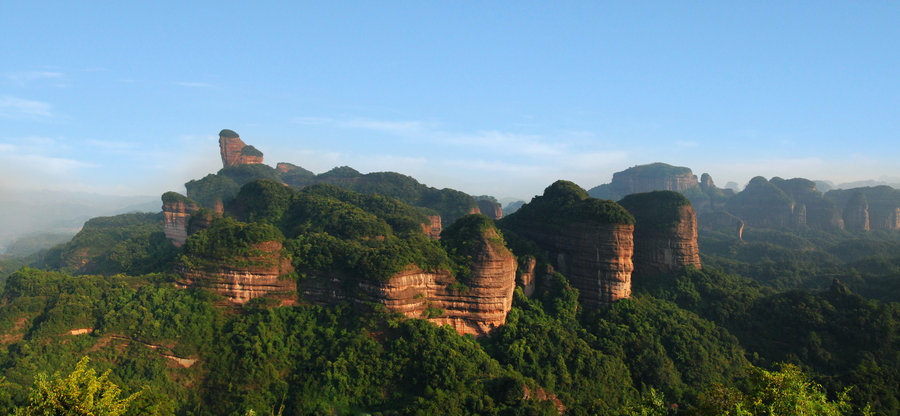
(195, 84)
(393, 127)
(512, 143)
(22, 79)
(112, 146)
(312, 121)
(20, 108)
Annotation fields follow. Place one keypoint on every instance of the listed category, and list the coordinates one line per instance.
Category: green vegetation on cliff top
(657, 210)
(564, 202)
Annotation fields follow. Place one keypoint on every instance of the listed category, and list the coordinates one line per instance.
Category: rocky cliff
(490, 207)
(240, 281)
(875, 207)
(646, 178)
(473, 305)
(665, 233)
(762, 204)
(235, 152)
(177, 210)
(433, 228)
(589, 240)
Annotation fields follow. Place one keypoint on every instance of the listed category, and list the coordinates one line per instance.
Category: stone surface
(856, 214)
(433, 228)
(595, 258)
(176, 214)
(525, 278)
(476, 308)
(646, 178)
(665, 233)
(240, 284)
(589, 241)
(231, 149)
(870, 207)
(491, 208)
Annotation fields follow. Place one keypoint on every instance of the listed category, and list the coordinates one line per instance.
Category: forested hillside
(778, 322)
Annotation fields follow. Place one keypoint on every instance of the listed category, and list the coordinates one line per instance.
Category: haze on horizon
(499, 99)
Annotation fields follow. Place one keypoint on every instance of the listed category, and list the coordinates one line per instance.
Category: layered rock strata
(590, 241)
(258, 276)
(665, 233)
(491, 208)
(595, 258)
(476, 307)
(646, 178)
(433, 228)
(235, 152)
(177, 210)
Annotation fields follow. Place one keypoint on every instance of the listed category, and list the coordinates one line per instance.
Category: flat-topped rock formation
(589, 240)
(646, 178)
(665, 233)
(474, 304)
(177, 210)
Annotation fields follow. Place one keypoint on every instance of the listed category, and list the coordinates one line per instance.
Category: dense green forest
(783, 322)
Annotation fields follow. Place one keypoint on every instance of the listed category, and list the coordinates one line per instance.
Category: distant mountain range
(61, 212)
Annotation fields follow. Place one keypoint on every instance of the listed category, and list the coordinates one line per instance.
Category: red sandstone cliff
(665, 233)
(260, 275)
(646, 178)
(433, 228)
(235, 152)
(177, 209)
(588, 240)
(475, 308)
(490, 207)
(595, 258)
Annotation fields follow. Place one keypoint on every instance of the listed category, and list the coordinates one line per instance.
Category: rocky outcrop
(235, 152)
(177, 210)
(589, 240)
(490, 207)
(856, 214)
(433, 228)
(596, 258)
(762, 204)
(525, 277)
(257, 276)
(476, 307)
(646, 178)
(875, 207)
(665, 233)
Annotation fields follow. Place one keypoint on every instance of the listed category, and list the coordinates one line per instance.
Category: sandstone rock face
(870, 207)
(762, 204)
(596, 258)
(646, 178)
(233, 152)
(856, 214)
(665, 233)
(242, 283)
(476, 308)
(176, 212)
(526, 275)
(590, 241)
(433, 228)
(490, 208)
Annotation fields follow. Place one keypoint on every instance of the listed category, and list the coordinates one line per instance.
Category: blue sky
(498, 98)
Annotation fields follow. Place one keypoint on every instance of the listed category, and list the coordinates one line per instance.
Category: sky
(497, 98)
